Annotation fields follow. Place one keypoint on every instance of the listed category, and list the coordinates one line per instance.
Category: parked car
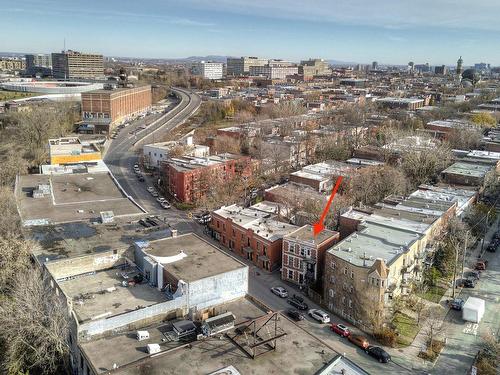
(359, 341)
(141, 178)
(155, 194)
(379, 354)
(340, 329)
(469, 283)
(472, 275)
(457, 304)
(150, 189)
(166, 205)
(279, 291)
(295, 315)
(319, 315)
(297, 304)
(481, 265)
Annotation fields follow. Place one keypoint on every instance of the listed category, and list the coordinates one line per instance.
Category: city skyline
(388, 32)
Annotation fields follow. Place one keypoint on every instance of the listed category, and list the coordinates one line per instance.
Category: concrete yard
(73, 197)
(102, 294)
(297, 353)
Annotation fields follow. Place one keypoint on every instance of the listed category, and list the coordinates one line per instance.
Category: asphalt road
(122, 153)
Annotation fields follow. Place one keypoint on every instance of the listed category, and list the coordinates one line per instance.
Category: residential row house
(304, 256)
(252, 234)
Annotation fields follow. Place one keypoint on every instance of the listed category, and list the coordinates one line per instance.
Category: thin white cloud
(480, 14)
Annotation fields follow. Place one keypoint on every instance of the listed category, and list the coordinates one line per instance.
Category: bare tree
(434, 325)
(9, 218)
(14, 259)
(35, 326)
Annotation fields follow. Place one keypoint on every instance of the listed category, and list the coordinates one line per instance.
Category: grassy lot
(433, 294)
(407, 328)
(11, 95)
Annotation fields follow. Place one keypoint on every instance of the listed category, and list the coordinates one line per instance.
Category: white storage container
(473, 310)
(142, 335)
(153, 348)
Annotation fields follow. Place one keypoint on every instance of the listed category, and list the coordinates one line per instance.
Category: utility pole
(454, 286)
(465, 252)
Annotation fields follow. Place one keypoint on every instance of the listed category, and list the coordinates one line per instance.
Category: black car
(469, 283)
(295, 315)
(474, 275)
(297, 304)
(379, 354)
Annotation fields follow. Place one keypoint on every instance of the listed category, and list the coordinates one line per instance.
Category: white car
(279, 291)
(151, 189)
(319, 315)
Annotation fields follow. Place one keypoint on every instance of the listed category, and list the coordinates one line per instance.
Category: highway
(122, 153)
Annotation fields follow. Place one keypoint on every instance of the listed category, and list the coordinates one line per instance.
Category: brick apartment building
(189, 178)
(104, 108)
(304, 255)
(252, 234)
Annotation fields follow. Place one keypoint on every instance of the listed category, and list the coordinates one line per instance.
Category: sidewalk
(411, 352)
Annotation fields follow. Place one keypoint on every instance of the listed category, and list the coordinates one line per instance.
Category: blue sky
(388, 31)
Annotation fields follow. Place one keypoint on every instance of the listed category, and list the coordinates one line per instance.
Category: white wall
(218, 289)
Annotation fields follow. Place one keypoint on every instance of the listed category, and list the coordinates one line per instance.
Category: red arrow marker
(318, 226)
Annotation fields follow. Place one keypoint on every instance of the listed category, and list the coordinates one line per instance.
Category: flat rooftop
(102, 294)
(468, 169)
(202, 258)
(241, 215)
(71, 197)
(296, 353)
(401, 223)
(69, 240)
(376, 240)
(306, 234)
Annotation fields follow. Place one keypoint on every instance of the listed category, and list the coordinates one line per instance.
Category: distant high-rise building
(411, 66)
(239, 66)
(459, 66)
(208, 70)
(482, 66)
(314, 67)
(441, 70)
(71, 64)
(374, 65)
(274, 71)
(40, 60)
(423, 68)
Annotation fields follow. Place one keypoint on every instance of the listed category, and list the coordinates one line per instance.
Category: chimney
(174, 232)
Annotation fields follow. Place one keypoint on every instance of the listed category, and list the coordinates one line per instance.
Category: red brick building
(189, 178)
(304, 255)
(104, 108)
(251, 234)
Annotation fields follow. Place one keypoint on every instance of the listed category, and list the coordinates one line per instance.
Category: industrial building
(72, 64)
(123, 289)
(106, 107)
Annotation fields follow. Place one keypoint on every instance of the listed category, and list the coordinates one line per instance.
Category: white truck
(473, 310)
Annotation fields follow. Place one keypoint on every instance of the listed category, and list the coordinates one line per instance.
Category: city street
(464, 338)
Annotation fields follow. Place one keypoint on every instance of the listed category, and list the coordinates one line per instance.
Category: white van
(142, 335)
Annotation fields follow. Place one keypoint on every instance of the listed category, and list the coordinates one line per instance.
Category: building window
(345, 271)
(332, 279)
(290, 274)
(343, 300)
(382, 283)
(352, 275)
(376, 281)
(351, 289)
(302, 252)
(344, 286)
(217, 223)
(234, 233)
(290, 261)
(332, 293)
(285, 245)
(333, 264)
(350, 304)
(258, 245)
